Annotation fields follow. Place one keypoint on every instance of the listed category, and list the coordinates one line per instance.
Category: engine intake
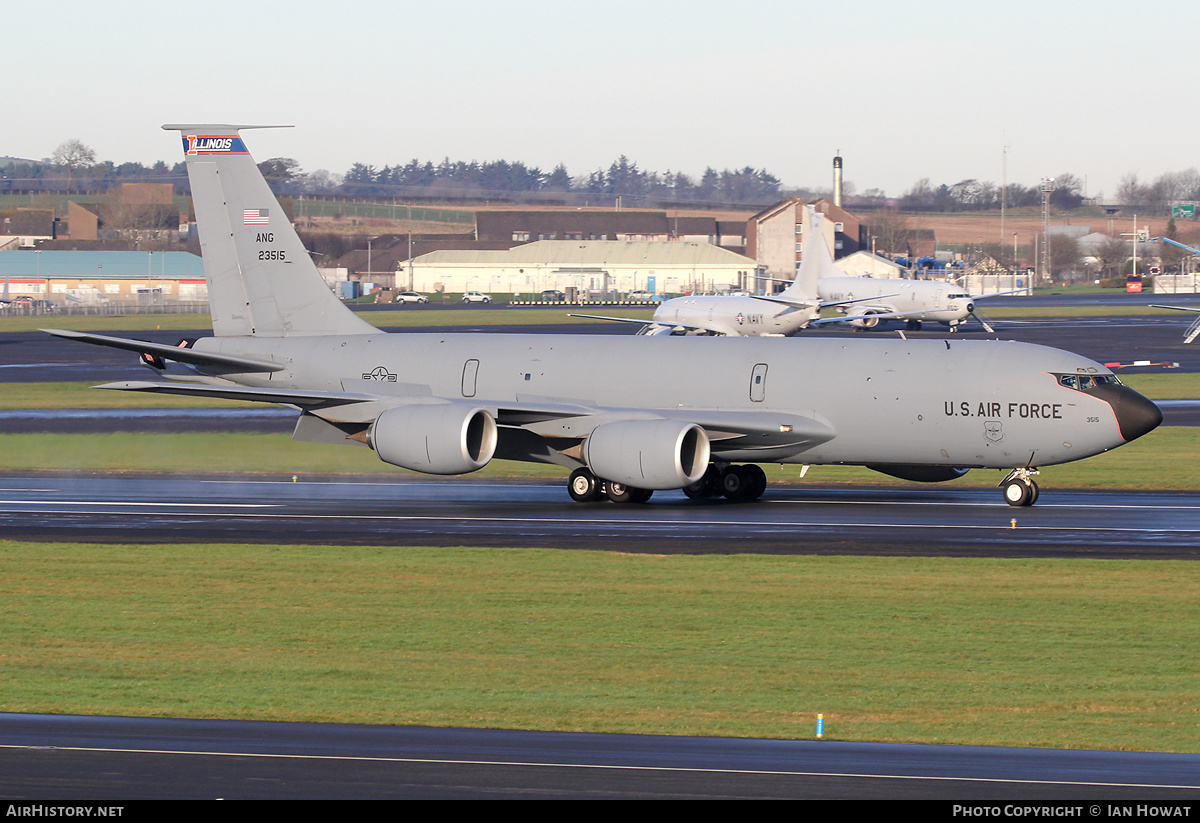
(434, 438)
(648, 454)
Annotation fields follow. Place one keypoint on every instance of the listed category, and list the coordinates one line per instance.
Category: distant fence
(1176, 283)
(106, 309)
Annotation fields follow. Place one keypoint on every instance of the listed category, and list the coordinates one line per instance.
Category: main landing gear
(739, 483)
(1019, 488)
(585, 487)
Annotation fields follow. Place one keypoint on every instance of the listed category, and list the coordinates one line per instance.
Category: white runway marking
(605, 766)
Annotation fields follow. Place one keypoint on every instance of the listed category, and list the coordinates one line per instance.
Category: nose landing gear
(1019, 488)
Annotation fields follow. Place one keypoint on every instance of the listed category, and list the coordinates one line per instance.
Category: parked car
(641, 294)
(553, 296)
(411, 297)
(476, 297)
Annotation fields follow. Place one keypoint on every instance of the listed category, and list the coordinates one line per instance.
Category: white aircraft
(868, 302)
(626, 415)
(796, 307)
(865, 302)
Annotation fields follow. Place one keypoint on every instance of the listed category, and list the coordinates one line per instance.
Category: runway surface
(941, 521)
(47, 757)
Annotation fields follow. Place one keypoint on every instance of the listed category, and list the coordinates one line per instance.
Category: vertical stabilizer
(261, 281)
(817, 261)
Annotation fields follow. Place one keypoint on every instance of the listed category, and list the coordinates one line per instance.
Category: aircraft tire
(707, 486)
(583, 486)
(640, 495)
(758, 481)
(736, 483)
(620, 493)
(1018, 492)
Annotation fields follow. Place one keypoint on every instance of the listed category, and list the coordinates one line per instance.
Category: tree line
(73, 167)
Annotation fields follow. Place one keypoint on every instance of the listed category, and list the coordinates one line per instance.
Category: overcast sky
(904, 90)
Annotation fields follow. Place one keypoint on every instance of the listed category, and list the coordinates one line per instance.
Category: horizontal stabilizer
(211, 362)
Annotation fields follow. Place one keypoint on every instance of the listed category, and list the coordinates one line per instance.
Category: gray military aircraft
(627, 415)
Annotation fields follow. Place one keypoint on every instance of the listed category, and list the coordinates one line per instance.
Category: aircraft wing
(998, 294)
(614, 319)
(289, 397)
(340, 416)
(893, 315)
(798, 304)
(1194, 330)
(655, 323)
(211, 361)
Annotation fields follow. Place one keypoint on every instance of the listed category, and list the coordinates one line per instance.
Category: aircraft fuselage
(930, 402)
(928, 300)
(734, 316)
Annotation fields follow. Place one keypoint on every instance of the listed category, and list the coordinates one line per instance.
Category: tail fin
(261, 280)
(816, 263)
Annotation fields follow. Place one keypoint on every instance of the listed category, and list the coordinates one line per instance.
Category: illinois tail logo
(195, 144)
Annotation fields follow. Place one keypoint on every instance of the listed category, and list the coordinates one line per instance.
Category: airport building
(95, 278)
(585, 267)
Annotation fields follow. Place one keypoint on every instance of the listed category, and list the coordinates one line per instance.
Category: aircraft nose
(1135, 414)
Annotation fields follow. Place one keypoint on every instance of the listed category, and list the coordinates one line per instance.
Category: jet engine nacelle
(648, 454)
(436, 438)
(864, 320)
(920, 474)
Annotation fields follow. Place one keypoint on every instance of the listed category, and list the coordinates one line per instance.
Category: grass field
(1164, 459)
(1095, 654)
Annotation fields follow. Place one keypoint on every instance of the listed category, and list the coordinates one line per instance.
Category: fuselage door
(470, 372)
(758, 383)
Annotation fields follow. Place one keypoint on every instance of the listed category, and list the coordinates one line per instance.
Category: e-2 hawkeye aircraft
(628, 415)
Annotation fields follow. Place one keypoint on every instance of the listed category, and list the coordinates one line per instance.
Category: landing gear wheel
(617, 492)
(757, 481)
(1020, 492)
(734, 483)
(640, 495)
(707, 486)
(912, 325)
(583, 486)
(620, 493)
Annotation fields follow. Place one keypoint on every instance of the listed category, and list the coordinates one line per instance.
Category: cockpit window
(953, 296)
(1084, 382)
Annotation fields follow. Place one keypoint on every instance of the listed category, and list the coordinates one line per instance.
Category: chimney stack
(837, 179)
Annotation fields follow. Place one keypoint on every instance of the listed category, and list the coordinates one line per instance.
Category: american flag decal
(255, 217)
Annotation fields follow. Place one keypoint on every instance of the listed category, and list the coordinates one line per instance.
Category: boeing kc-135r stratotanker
(627, 414)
